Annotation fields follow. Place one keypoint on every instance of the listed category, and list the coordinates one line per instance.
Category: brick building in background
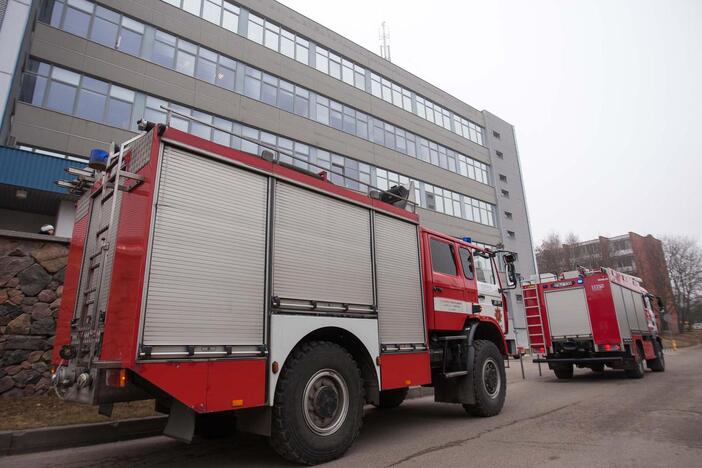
(631, 253)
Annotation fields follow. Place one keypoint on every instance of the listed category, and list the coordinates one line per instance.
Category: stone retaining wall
(32, 269)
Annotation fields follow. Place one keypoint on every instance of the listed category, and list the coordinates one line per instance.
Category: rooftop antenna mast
(385, 42)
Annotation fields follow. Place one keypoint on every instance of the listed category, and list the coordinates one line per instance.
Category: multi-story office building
(88, 70)
(631, 253)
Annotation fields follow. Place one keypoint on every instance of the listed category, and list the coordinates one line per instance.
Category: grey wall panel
(400, 312)
(321, 248)
(206, 284)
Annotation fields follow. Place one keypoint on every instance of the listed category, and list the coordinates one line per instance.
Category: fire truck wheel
(392, 398)
(318, 407)
(637, 370)
(563, 371)
(657, 364)
(489, 380)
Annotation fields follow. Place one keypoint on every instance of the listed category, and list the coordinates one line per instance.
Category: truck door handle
(436, 289)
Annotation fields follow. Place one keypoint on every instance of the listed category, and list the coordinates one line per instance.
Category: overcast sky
(606, 97)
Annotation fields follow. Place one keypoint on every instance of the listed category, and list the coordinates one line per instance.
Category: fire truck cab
(593, 319)
(245, 287)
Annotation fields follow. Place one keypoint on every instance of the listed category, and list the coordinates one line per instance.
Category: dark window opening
(466, 263)
(442, 260)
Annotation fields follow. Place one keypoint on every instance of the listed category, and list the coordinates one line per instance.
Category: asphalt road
(594, 420)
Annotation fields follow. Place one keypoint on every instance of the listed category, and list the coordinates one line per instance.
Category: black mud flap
(181, 422)
(457, 389)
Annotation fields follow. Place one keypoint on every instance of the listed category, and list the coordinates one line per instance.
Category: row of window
(68, 92)
(86, 19)
(286, 42)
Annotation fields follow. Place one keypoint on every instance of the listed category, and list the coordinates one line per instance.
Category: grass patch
(48, 410)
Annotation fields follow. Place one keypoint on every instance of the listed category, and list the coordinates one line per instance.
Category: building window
(519, 297)
(499, 154)
(503, 178)
(496, 134)
(505, 193)
(510, 234)
(508, 214)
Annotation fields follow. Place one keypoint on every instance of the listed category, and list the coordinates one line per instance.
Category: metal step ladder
(458, 340)
(91, 320)
(534, 319)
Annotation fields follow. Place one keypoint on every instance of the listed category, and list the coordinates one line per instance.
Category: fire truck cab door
(489, 296)
(447, 288)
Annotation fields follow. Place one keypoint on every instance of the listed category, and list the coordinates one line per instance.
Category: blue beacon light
(468, 239)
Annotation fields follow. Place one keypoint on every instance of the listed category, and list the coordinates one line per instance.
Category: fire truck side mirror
(511, 275)
(661, 304)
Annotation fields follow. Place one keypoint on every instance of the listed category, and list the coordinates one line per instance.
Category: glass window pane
(61, 97)
(66, 76)
(206, 70)
(230, 21)
(225, 77)
(76, 22)
(104, 32)
(252, 85)
(211, 12)
(33, 88)
(163, 54)
(255, 32)
(91, 106)
(119, 113)
(129, 42)
(269, 93)
(287, 44)
(106, 14)
(122, 93)
(285, 97)
(133, 25)
(192, 6)
(442, 260)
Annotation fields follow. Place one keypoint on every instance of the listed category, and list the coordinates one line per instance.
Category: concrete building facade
(87, 71)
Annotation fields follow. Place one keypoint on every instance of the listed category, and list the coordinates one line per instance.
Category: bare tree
(549, 254)
(684, 259)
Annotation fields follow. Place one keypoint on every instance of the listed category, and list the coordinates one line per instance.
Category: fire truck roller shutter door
(620, 308)
(400, 312)
(321, 248)
(630, 302)
(568, 314)
(206, 282)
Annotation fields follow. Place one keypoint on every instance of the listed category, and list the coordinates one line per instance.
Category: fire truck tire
(392, 398)
(318, 407)
(658, 363)
(489, 380)
(563, 371)
(636, 371)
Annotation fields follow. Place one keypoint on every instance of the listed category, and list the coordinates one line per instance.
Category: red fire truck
(225, 284)
(593, 319)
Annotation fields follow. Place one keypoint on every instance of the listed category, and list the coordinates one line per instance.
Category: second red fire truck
(593, 319)
(223, 283)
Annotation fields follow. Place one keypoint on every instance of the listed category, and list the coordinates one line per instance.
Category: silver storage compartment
(207, 270)
(400, 311)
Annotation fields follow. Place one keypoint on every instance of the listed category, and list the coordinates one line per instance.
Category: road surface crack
(459, 442)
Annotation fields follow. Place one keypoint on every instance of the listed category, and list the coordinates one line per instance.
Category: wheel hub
(325, 402)
(491, 378)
